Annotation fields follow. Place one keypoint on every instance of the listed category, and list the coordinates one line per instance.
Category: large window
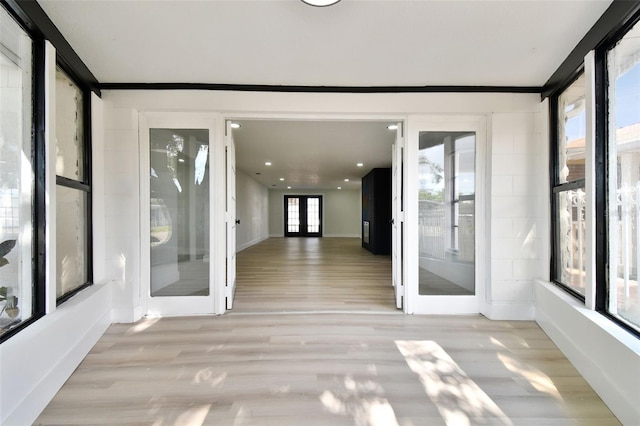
(17, 296)
(613, 172)
(73, 197)
(569, 190)
(623, 174)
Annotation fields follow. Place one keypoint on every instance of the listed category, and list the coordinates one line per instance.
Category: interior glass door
(445, 219)
(176, 211)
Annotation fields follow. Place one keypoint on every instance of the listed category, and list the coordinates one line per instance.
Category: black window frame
(84, 185)
(558, 187)
(303, 230)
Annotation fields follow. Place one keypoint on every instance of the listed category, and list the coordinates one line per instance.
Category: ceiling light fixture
(359, 164)
(320, 3)
(288, 187)
(346, 180)
(281, 179)
(339, 187)
(268, 163)
(235, 125)
(392, 127)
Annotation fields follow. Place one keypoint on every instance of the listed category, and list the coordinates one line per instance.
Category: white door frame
(391, 119)
(185, 305)
(415, 303)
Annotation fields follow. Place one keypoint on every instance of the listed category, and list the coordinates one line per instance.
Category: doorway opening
(303, 215)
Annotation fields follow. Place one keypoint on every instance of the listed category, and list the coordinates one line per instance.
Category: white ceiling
(353, 43)
(312, 154)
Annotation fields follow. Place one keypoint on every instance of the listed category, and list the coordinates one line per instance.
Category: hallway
(312, 275)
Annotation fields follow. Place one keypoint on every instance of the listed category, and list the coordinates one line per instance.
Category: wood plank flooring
(312, 274)
(370, 366)
(326, 369)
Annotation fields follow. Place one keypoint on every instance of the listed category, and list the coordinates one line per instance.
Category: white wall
(252, 208)
(122, 211)
(519, 187)
(341, 211)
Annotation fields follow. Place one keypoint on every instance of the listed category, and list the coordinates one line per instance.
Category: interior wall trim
(319, 89)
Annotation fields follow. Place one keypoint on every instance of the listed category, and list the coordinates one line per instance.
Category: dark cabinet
(376, 211)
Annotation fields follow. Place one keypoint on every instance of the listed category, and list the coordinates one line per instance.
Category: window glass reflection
(446, 213)
(179, 212)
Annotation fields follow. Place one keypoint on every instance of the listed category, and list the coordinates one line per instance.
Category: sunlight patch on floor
(459, 399)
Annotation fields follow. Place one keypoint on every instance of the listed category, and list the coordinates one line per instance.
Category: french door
(302, 215)
(176, 204)
(444, 202)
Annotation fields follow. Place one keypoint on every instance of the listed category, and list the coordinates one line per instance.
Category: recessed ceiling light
(339, 187)
(346, 180)
(320, 3)
(181, 160)
(288, 187)
(235, 125)
(281, 179)
(359, 164)
(268, 163)
(392, 127)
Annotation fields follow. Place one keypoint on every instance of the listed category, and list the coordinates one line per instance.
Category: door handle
(237, 221)
(391, 221)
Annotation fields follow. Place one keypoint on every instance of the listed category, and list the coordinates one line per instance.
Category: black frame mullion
(600, 181)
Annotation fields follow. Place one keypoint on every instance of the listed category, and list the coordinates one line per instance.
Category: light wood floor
(312, 274)
(371, 366)
(326, 369)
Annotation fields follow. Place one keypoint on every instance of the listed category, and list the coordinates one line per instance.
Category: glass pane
(571, 248)
(71, 239)
(179, 212)
(293, 215)
(313, 215)
(446, 216)
(16, 177)
(572, 130)
(624, 177)
(69, 128)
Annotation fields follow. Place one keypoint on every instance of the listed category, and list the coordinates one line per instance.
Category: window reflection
(179, 212)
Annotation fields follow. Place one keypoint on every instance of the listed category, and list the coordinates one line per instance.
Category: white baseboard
(251, 243)
(512, 311)
(276, 235)
(342, 235)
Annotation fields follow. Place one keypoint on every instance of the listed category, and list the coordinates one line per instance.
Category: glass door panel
(313, 215)
(446, 213)
(179, 212)
(303, 216)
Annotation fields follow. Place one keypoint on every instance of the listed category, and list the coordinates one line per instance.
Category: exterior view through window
(623, 171)
(446, 213)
